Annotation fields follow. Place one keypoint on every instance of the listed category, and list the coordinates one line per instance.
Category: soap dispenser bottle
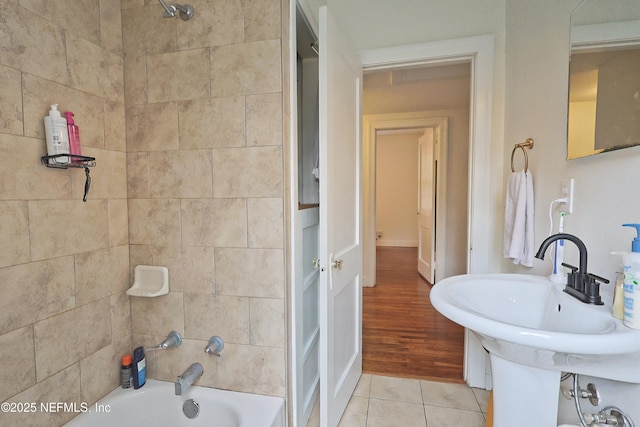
(632, 282)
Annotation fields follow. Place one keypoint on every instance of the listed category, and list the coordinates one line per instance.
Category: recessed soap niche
(150, 281)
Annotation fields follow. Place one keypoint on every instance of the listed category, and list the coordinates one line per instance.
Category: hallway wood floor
(402, 334)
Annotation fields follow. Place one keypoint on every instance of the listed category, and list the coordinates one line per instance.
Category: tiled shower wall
(203, 194)
(206, 186)
(64, 264)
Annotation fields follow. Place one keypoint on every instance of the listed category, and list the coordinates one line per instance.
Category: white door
(340, 221)
(426, 205)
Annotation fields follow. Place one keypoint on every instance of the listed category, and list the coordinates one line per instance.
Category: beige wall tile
(121, 323)
(80, 16)
(101, 273)
(172, 363)
(108, 178)
(111, 26)
(130, 4)
(262, 19)
(14, 233)
(225, 316)
(83, 58)
(180, 174)
(264, 119)
(245, 69)
(18, 368)
(154, 221)
(38, 94)
(138, 186)
(191, 269)
(157, 316)
(214, 222)
(212, 123)
(252, 369)
(30, 179)
(266, 222)
(152, 127)
(135, 80)
(115, 137)
(139, 255)
(51, 223)
(146, 32)
(250, 272)
(219, 22)
(178, 76)
(118, 222)
(35, 291)
(87, 329)
(267, 322)
(247, 172)
(32, 44)
(99, 374)
(64, 386)
(11, 118)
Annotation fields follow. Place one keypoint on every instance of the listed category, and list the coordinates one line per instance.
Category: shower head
(184, 11)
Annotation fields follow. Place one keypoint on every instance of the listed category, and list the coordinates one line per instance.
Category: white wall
(606, 192)
(397, 189)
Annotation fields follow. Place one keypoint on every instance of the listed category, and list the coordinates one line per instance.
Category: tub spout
(185, 380)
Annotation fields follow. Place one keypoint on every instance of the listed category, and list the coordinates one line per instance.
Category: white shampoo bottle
(55, 128)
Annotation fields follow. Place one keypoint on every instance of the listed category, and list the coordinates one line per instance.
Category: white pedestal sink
(533, 332)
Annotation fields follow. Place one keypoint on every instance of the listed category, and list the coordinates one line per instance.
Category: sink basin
(533, 332)
(532, 311)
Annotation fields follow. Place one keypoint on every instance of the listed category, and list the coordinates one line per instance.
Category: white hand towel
(518, 219)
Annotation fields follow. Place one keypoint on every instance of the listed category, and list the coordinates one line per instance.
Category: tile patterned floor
(399, 402)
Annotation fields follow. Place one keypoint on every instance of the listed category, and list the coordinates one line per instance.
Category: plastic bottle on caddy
(74, 136)
(632, 282)
(55, 128)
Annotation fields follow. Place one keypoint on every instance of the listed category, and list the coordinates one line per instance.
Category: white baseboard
(399, 243)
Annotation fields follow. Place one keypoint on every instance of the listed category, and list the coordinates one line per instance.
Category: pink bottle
(74, 137)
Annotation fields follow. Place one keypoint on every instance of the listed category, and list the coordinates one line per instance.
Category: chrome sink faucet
(580, 284)
(187, 378)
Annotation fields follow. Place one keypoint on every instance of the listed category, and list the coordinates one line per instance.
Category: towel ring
(528, 144)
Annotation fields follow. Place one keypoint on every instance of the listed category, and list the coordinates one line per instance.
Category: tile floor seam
(451, 407)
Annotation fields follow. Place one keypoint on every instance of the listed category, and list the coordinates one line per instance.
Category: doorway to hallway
(402, 334)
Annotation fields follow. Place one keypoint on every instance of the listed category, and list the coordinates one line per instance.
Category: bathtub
(155, 404)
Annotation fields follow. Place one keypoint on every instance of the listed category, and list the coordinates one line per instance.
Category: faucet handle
(215, 346)
(572, 267)
(173, 340)
(598, 278)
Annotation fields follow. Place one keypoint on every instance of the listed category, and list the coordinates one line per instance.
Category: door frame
(478, 50)
(379, 122)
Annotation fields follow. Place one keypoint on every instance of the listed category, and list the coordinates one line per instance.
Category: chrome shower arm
(169, 11)
(185, 10)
